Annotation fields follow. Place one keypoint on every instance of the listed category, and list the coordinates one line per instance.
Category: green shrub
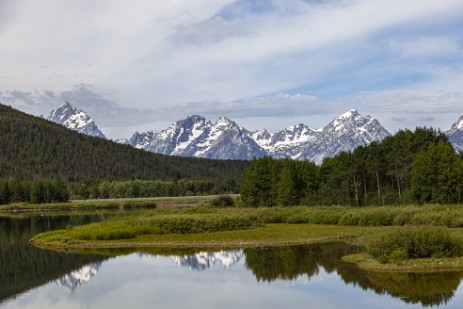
(223, 200)
(415, 243)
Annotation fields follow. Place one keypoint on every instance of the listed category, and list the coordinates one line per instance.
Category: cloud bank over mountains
(157, 61)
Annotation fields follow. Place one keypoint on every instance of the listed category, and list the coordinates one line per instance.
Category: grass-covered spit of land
(431, 233)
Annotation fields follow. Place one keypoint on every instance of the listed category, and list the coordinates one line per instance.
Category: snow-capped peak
(74, 119)
(197, 119)
(225, 122)
(347, 121)
(349, 114)
(344, 133)
(459, 124)
(455, 135)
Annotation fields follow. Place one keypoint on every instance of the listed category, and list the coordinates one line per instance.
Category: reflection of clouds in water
(80, 276)
(295, 276)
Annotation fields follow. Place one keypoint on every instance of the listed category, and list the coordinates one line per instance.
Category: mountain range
(196, 136)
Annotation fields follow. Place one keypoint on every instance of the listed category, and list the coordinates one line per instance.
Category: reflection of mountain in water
(205, 260)
(288, 263)
(23, 266)
(80, 276)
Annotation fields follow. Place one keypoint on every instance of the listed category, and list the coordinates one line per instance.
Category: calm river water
(279, 277)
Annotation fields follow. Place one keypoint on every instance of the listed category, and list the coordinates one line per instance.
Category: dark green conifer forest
(41, 161)
(418, 166)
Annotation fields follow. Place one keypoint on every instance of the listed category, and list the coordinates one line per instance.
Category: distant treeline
(156, 188)
(409, 167)
(36, 192)
(52, 191)
(33, 148)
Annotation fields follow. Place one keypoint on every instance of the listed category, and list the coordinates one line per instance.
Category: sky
(144, 64)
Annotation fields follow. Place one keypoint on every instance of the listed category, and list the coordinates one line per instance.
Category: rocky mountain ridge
(195, 136)
(75, 119)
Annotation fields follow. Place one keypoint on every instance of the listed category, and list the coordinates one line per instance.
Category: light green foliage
(414, 243)
(269, 182)
(436, 175)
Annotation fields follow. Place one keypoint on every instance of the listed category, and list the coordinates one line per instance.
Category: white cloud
(147, 59)
(424, 46)
(180, 51)
(279, 105)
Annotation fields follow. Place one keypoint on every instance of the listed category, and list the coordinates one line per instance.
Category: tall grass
(449, 216)
(414, 243)
(156, 223)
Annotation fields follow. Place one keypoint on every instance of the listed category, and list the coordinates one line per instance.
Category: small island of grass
(406, 238)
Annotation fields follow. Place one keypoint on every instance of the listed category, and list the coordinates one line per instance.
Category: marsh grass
(415, 243)
(154, 223)
(435, 215)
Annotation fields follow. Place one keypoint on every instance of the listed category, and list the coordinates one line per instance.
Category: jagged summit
(455, 134)
(349, 114)
(197, 137)
(344, 133)
(75, 119)
(457, 125)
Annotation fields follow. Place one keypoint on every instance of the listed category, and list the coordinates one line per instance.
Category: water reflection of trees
(23, 266)
(425, 289)
(288, 263)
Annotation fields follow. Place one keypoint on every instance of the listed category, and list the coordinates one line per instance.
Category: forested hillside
(409, 167)
(34, 148)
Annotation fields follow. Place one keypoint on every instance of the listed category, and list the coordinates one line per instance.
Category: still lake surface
(278, 277)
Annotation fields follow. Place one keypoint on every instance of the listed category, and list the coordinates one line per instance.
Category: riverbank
(125, 203)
